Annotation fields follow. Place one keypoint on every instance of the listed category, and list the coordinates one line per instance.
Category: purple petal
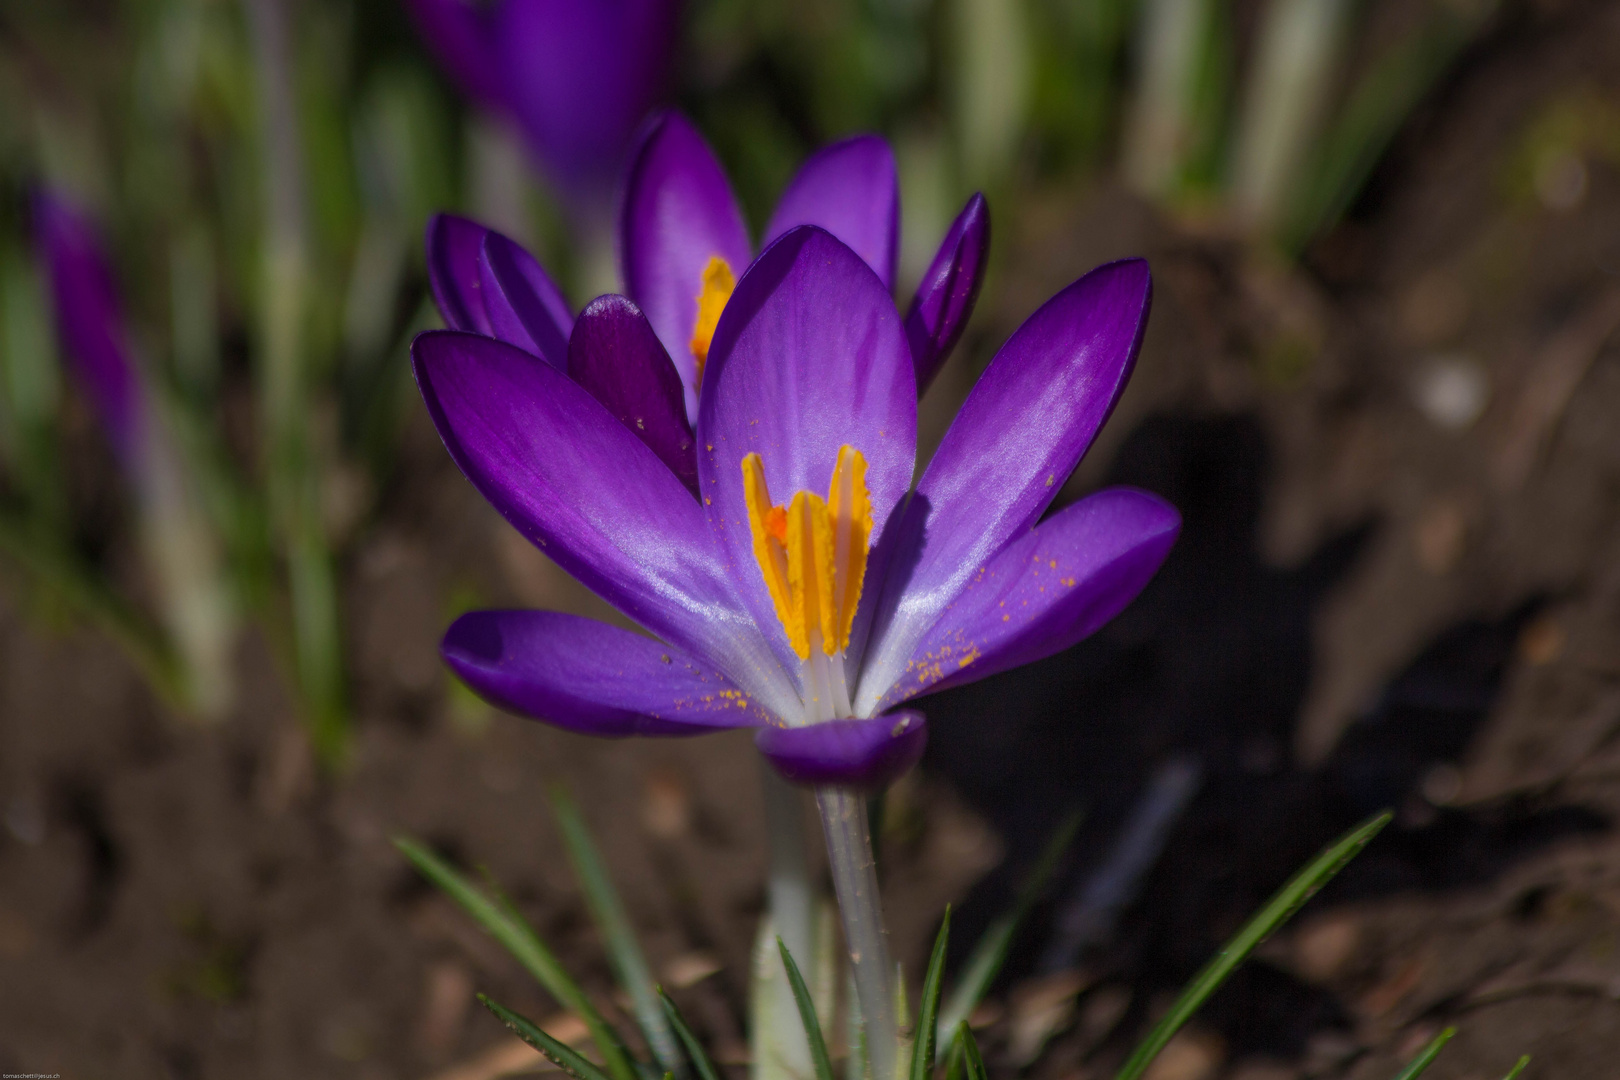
(593, 497)
(580, 76)
(1045, 591)
(1019, 435)
(457, 33)
(945, 296)
(849, 753)
(678, 213)
(524, 306)
(852, 190)
(590, 677)
(615, 355)
(89, 323)
(453, 247)
(808, 356)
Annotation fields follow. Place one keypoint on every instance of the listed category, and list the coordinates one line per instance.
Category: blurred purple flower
(575, 76)
(91, 327)
(811, 617)
(177, 540)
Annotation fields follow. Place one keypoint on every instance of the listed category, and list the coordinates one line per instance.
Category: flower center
(718, 283)
(812, 554)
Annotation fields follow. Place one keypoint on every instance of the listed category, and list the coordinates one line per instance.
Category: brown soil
(198, 903)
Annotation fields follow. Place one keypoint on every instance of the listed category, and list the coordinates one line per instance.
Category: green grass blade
(984, 963)
(922, 1052)
(968, 1046)
(506, 926)
(1517, 1069)
(694, 1049)
(623, 949)
(1277, 911)
(807, 1013)
(1377, 106)
(1426, 1058)
(560, 1054)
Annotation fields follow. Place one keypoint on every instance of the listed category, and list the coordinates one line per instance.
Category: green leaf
(1517, 1069)
(506, 926)
(807, 1013)
(968, 1048)
(922, 1051)
(1426, 1058)
(560, 1054)
(984, 963)
(694, 1049)
(623, 949)
(1277, 911)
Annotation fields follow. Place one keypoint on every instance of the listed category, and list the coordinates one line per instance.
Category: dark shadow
(1210, 667)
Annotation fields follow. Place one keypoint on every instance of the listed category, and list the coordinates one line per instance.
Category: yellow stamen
(718, 283)
(813, 554)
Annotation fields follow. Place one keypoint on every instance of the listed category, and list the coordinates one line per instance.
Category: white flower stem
(854, 874)
(791, 897)
(780, 1048)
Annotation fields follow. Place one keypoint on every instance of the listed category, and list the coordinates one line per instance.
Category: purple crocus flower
(574, 76)
(682, 240)
(683, 243)
(767, 604)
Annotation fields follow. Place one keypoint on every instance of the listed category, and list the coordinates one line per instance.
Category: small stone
(1542, 641)
(666, 804)
(1451, 389)
(446, 997)
(1194, 1054)
(1324, 945)
(1441, 532)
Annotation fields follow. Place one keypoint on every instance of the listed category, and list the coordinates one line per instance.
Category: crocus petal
(580, 75)
(1045, 591)
(523, 305)
(570, 478)
(453, 247)
(849, 753)
(457, 33)
(678, 213)
(90, 324)
(946, 294)
(616, 356)
(809, 356)
(852, 190)
(1019, 435)
(590, 677)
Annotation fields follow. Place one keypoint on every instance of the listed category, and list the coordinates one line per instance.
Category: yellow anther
(718, 283)
(813, 553)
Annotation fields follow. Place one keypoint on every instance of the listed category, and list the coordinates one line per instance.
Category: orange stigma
(718, 283)
(813, 552)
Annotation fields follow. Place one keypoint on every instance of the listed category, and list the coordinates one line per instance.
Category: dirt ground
(1399, 586)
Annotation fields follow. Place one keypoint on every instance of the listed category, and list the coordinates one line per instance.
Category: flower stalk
(854, 874)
